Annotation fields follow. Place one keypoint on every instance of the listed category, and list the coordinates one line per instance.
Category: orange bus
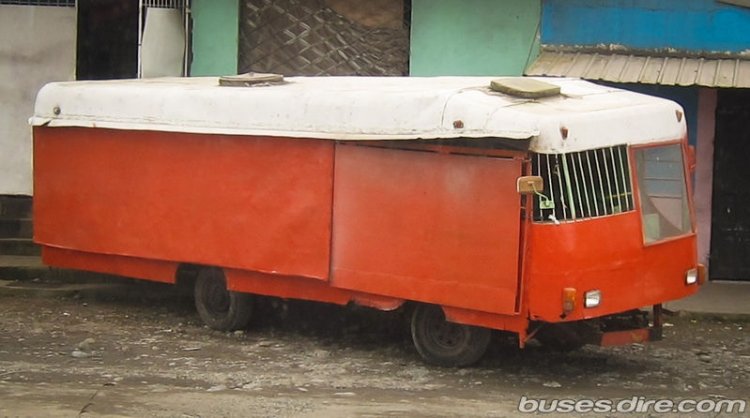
(550, 208)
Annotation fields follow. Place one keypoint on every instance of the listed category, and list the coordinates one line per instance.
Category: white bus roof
(366, 108)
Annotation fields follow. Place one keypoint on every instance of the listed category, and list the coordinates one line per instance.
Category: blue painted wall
(695, 25)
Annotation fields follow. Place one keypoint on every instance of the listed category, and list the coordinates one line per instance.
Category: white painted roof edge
(341, 108)
(365, 108)
(336, 136)
(639, 125)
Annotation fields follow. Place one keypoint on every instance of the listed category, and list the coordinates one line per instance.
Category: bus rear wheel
(444, 343)
(218, 307)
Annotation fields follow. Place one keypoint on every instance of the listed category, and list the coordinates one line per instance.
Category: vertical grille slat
(615, 179)
(586, 189)
(609, 197)
(602, 194)
(585, 184)
(568, 186)
(628, 194)
(562, 192)
(577, 185)
(551, 187)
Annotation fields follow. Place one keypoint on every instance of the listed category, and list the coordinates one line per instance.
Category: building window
(58, 3)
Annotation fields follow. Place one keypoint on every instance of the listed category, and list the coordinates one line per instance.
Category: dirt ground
(135, 349)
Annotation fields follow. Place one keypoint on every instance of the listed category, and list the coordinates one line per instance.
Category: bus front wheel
(444, 343)
(218, 307)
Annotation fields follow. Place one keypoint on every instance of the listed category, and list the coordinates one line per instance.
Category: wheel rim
(217, 301)
(446, 335)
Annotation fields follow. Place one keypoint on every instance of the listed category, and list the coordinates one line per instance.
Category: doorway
(730, 224)
(107, 45)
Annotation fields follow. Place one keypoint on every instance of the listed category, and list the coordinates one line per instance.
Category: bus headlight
(691, 277)
(592, 298)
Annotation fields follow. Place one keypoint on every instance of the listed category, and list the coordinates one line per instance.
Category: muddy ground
(134, 349)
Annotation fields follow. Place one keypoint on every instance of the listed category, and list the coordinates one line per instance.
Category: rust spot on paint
(458, 124)
(564, 132)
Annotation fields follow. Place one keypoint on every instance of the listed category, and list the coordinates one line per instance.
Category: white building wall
(38, 46)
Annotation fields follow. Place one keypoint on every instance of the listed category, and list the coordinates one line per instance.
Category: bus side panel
(244, 202)
(424, 226)
(140, 268)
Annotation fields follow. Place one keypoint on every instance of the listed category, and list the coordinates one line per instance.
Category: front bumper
(652, 332)
(620, 329)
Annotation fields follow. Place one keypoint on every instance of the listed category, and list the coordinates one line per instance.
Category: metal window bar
(568, 186)
(577, 186)
(609, 181)
(584, 184)
(601, 182)
(559, 178)
(593, 187)
(615, 179)
(551, 188)
(625, 173)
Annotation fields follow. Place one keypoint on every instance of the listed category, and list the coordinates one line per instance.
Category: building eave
(619, 64)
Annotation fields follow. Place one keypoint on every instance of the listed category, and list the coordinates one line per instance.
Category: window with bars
(59, 3)
(584, 184)
(164, 4)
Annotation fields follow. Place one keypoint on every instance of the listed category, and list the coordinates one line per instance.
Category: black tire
(219, 308)
(446, 344)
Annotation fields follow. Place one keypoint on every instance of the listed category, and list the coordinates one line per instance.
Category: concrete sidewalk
(716, 297)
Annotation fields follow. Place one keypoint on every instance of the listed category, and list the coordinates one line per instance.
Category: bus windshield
(663, 192)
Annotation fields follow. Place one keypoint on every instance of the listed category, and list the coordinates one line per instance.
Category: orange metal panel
(613, 338)
(426, 226)
(140, 268)
(514, 323)
(245, 202)
(305, 289)
(606, 254)
(285, 287)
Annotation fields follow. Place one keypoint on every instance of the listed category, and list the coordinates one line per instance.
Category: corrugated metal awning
(646, 69)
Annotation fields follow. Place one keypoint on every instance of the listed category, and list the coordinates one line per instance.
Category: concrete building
(38, 46)
(59, 40)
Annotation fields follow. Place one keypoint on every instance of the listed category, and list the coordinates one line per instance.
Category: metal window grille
(584, 184)
(164, 4)
(58, 3)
